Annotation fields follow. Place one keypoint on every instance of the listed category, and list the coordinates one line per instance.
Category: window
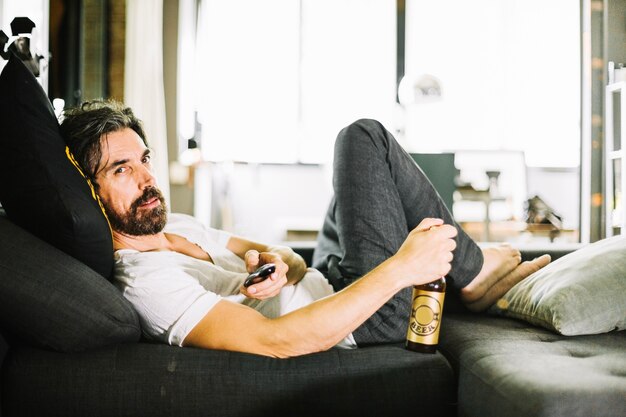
(509, 79)
(277, 79)
(509, 73)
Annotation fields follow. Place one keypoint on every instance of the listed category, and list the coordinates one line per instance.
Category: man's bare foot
(498, 261)
(507, 282)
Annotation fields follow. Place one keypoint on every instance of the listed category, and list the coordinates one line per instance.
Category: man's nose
(146, 177)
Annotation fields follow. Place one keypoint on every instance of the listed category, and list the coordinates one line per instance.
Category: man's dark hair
(83, 127)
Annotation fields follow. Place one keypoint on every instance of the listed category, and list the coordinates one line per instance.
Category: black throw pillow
(41, 189)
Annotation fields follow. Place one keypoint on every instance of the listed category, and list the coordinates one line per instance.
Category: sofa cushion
(40, 188)
(583, 292)
(50, 299)
(159, 380)
(514, 369)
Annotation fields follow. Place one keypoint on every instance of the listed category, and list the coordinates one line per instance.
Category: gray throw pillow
(581, 293)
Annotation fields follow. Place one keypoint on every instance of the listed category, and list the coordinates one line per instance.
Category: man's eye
(120, 170)
(146, 159)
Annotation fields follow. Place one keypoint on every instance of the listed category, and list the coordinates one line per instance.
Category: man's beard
(136, 223)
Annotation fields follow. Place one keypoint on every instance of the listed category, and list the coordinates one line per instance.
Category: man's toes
(536, 264)
(542, 261)
(510, 251)
(514, 259)
(521, 272)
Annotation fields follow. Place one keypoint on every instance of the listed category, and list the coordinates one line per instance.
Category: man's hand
(276, 281)
(426, 253)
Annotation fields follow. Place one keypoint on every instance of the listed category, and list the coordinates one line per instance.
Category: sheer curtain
(143, 78)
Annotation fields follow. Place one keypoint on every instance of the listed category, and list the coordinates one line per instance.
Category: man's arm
(424, 256)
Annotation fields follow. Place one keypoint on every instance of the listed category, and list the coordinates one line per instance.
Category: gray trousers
(380, 194)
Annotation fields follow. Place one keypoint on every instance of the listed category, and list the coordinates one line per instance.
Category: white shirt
(172, 292)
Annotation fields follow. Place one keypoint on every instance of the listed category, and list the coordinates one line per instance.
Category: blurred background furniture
(440, 170)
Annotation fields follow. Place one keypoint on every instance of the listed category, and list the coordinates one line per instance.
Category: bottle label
(425, 317)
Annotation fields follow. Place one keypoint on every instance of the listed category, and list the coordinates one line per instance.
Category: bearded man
(386, 230)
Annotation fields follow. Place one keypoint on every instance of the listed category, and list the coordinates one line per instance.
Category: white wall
(262, 201)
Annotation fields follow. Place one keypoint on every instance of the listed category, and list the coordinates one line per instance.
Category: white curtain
(143, 78)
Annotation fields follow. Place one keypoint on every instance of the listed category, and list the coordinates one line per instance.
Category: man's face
(127, 187)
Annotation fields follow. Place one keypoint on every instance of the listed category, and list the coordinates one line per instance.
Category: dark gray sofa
(142, 378)
(486, 367)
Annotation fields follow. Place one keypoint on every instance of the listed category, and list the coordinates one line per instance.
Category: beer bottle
(423, 332)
